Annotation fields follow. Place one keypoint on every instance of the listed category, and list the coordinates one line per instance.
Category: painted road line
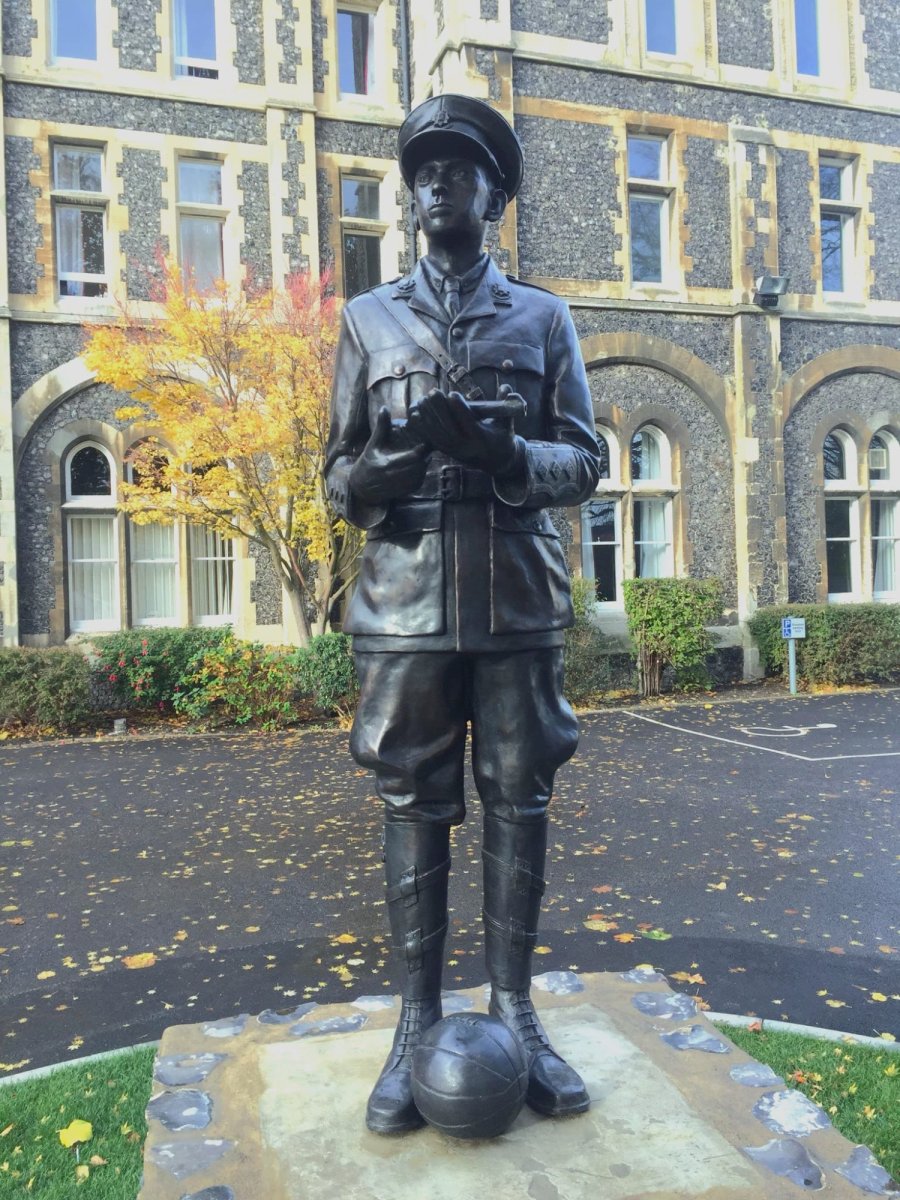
(713, 737)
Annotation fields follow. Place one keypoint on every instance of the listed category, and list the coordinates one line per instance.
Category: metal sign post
(793, 628)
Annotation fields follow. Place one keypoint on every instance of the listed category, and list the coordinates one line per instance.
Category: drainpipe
(406, 101)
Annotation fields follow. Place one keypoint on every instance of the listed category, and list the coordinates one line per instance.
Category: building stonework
(143, 179)
(23, 232)
(737, 398)
(136, 39)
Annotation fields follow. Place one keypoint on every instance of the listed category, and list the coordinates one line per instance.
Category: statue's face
(453, 197)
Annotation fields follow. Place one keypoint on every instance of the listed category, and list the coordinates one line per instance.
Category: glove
(449, 423)
(382, 473)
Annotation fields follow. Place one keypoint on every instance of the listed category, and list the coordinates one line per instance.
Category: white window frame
(355, 226)
(195, 560)
(855, 594)
(608, 491)
(67, 60)
(659, 488)
(212, 65)
(61, 198)
(892, 482)
(847, 210)
(676, 55)
(892, 594)
(373, 12)
(660, 192)
(851, 475)
(192, 208)
(91, 507)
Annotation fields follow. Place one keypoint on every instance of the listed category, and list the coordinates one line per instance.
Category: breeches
(413, 715)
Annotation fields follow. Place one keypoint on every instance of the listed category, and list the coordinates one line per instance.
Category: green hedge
(46, 688)
(144, 668)
(844, 643)
(668, 619)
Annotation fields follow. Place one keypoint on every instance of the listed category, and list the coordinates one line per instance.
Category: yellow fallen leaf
(879, 996)
(891, 1071)
(97, 1161)
(345, 939)
(82, 1171)
(76, 1131)
(45, 974)
(8, 1129)
(255, 929)
(835, 1003)
(686, 977)
(623, 937)
(180, 936)
(869, 1112)
(718, 887)
(600, 923)
(135, 962)
(887, 1037)
(542, 950)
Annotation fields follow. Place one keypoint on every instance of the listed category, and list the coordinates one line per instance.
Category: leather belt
(453, 482)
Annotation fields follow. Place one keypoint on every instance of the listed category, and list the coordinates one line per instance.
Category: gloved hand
(449, 423)
(382, 473)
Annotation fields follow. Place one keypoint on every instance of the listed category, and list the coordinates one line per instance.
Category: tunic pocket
(400, 587)
(529, 579)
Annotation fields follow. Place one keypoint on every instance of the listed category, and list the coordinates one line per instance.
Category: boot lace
(528, 1027)
(409, 1031)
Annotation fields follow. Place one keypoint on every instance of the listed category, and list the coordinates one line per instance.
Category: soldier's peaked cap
(450, 124)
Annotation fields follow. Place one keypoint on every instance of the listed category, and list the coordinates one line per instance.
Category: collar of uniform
(467, 282)
(492, 292)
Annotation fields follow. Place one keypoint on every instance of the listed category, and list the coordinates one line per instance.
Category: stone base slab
(272, 1108)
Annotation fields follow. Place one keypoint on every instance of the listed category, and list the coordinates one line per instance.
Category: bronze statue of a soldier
(461, 412)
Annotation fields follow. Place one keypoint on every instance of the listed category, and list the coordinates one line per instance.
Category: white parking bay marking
(781, 730)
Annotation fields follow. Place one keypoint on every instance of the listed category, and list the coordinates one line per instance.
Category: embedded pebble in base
(453, 1002)
(176, 1070)
(374, 1003)
(667, 1006)
(186, 1158)
(181, 1110)
(284, 1016)
(695, 1038)
(786, 1157)
(211, 1193)
(642, 975)
(226, 1028)
(755, 1075)
(864, 1170)
(331, 1025)
(790, 1112)
(558, 983)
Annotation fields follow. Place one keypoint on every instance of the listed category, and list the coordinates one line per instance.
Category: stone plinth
(271, 1108)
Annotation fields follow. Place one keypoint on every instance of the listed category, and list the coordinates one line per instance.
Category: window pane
(879, 445)
(195, 29)
(645, 158)
(199, 181)
(833, 458)
(646, 238)
(362, 263)
(212, 567)
(660, 19)
(599, 548)
(355, 37)
(645, 457)
(92, 570)
(153, 572)
(77, 169)
(75, 29)
(359, 198)
(650, 542)
(885, 531)
(604, 456)
(830, 182)
(839, 572)
(837, 518)
(806, 31)
(598, 521)
(201, 250)
(832, 227)
(89, 473)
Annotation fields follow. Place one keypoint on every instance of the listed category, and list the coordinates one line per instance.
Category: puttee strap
(426, 340)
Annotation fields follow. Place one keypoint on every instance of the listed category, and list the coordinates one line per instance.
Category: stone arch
(849, 360)
(46, 394)
(605, 349)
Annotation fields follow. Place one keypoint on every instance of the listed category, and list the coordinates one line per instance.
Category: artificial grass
(111, 1094)
(858, 1086)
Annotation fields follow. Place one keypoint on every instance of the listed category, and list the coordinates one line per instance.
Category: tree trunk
(650, 667)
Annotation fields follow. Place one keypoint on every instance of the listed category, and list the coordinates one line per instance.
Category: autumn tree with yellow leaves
(233, 389)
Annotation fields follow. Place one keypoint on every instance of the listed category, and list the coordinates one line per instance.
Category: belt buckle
(451, 482)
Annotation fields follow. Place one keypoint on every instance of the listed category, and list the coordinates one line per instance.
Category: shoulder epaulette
(523, 283)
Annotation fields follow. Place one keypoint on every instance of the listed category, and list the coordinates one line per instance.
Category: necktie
(451, 295)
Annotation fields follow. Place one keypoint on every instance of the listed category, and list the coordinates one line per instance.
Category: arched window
(637, 507)
(92, 540)
(842, 542)
(651, 476)
(883, 461)
(601, 526)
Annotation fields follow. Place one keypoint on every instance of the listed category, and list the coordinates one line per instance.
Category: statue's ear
(415, 215)
(496, 205)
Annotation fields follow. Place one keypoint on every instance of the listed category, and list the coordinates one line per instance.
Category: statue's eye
(461, 173)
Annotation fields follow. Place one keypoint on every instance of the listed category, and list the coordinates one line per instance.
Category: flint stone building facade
(675, 156)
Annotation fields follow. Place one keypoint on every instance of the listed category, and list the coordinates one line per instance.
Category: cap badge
(441, 118)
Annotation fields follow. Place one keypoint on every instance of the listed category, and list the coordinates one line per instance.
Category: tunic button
(506, 365)
(399, 369)
(457, 332)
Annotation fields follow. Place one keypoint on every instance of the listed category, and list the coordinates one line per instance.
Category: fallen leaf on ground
(76, 1131)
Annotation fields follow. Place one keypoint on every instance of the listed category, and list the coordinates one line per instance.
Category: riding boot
(513, 856)
(417, 866)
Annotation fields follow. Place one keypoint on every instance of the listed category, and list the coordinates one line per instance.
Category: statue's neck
(454, 259)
